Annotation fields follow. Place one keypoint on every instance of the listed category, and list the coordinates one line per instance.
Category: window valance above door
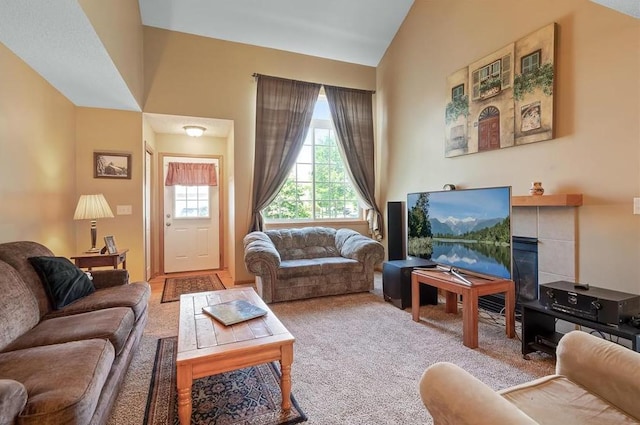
(191, 174)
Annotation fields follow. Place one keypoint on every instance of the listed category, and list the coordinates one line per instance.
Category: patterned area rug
(249, 396)
(176, 286)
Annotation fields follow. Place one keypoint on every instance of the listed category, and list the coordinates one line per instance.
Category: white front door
(191, 223)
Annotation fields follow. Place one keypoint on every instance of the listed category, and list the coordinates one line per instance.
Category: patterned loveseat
(292, 264)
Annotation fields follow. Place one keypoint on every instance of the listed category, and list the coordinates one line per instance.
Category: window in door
(318, 186)
(191, 201)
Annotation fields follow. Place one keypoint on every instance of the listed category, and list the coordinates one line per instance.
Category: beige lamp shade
(92, 207)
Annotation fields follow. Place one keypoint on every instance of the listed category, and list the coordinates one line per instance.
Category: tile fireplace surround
(555, 227)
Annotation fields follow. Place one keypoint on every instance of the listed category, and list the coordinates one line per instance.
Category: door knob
(168, 224)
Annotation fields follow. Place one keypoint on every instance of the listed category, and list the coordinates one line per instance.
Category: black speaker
(396, 283)
(395, 230)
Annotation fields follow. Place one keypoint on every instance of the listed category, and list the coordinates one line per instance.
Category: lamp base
(92, 251)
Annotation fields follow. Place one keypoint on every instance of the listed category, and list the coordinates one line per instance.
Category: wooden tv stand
(453, 287)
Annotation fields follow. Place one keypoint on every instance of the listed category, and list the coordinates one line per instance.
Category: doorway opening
(165, 136)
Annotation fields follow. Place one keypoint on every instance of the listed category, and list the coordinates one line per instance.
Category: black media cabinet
(396, 283)
(539, 329)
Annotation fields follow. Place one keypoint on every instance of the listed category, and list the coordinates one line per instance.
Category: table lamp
(92, 207)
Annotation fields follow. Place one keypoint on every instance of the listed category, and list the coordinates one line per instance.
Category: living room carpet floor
(176, 286)
(357, 358)
(249, 396)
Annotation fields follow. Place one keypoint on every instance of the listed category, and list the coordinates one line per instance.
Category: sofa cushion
(16, 254)
(304, 243)
(18, 307)
(133, 295)
(340, 265)
(114, 324)
(13, 397)
(317, 266)
(556, 400)
(65, 283)
(296, 268)
(353, 245)
(64, 381)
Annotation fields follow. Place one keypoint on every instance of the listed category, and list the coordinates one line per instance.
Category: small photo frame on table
(108, 165)
(110, 243)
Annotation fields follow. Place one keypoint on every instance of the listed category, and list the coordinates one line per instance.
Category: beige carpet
(357, 359)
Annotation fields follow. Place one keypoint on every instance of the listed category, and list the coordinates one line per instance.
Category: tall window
(318, 186)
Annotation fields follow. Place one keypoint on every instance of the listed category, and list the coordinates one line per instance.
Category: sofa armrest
(260, 254)
(604, 368)
(108, 278)
(455, 397)
(13, 398)
(352, 244)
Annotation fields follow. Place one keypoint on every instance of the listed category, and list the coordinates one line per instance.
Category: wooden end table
(88, 261)
(207, 347)
(470, 293)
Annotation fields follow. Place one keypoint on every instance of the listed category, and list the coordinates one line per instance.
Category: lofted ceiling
(57, 40)
(355, 31)
(628, 7)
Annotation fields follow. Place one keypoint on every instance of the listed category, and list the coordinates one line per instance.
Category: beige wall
(37, 159)
(597, 146)
(200, 77)
(112, 131)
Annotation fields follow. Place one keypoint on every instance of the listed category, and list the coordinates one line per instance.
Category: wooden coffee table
(470, 293)
(207, 347)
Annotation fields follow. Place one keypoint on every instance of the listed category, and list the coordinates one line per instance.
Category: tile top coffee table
(453, 287)
(207, 347)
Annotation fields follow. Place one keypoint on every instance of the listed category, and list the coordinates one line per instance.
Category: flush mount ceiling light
(194, 130)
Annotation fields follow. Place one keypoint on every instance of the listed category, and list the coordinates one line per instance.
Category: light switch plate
(123, 210)
(636, 205)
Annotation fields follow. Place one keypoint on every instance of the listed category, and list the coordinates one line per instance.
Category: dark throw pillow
(64, 282)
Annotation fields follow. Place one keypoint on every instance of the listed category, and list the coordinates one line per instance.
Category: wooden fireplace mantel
(557, 200)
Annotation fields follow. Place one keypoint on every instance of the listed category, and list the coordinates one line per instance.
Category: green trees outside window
(318, 187)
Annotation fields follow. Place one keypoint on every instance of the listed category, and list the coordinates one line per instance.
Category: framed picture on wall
(107, 165)
(110, 243)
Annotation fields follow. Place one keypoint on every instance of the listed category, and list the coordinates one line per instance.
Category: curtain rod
(256, 75)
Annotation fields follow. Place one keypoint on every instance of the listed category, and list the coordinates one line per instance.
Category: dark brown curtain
(283, 114)
(352, 114)
(191, 174)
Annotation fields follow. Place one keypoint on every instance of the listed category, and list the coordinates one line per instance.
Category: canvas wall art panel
(504, 99)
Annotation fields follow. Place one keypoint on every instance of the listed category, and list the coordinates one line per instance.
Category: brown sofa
(596, 382)
(64, 366)
(292, 264)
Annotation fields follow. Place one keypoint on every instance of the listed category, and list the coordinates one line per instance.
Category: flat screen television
(468, 230)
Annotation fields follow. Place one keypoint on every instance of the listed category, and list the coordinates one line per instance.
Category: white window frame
(309, 141)
(199, 200)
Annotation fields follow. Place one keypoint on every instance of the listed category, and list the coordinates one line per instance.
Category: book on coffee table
(233, 312)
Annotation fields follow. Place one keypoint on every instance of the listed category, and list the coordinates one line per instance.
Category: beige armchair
(596, 382)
